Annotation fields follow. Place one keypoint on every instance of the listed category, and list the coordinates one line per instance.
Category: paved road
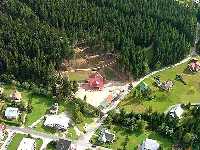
(34, 133)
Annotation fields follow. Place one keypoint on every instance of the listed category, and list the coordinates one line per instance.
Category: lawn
(15, 141)
(180, 93)
(134, 139)
(18, 138)
(78, 76)
(40, 103)
(71, 134)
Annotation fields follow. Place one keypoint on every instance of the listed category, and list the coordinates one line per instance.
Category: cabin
(11, 113)
(16, 96)
(105, 136)
(62, 144)
(194, 66)
(27, 144)
(149, 144)
(167, 85)
(58, 122)
(96, 81)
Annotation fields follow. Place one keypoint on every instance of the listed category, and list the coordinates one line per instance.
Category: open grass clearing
(180, 93)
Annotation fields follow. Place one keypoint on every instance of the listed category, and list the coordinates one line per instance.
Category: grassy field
(78, 76)
(134, 139)
(180, 93)
(18, 138)
(40, 103)
(15, 141)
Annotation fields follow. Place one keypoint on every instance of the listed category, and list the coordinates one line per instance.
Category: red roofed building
(96, 81)
(194, 66)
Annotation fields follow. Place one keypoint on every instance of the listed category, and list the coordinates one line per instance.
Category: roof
(27, 144)
(11, 112)
(176, 111)
(143, 86)
(106, 136)
(109, 98)
(63, 144)
(2, 127)
(96, 75)
(58, 121)
(16, 95)
(150, 144)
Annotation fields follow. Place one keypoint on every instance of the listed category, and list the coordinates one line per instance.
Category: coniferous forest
(36, 35)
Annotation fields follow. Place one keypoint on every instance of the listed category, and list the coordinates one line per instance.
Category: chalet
(149, 144)
(16, 96)
(105, 136)
(27, 144)
(11, 113)
(143, 87)
(167, 85)
(194, 66)
(58, 122)
(1, 90)
(176, 111)
(96, 81)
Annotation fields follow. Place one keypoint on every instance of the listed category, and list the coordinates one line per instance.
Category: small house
(1, 90)
(176, 111)
(194, 66)
(96, 81)
(54, 109)
(149, 144)
(27, 144)
(62, 144)
(143, 87)
(167, 85)
(105, 136)
(11, 113)
(59, 122)
(16, 96)
(2, 131)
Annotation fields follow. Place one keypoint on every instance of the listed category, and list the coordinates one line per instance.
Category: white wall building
(60, 122)
(11, 113)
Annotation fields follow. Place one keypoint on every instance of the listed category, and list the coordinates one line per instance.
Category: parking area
(96, 98)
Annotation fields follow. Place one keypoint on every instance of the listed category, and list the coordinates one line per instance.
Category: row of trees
(184, 132)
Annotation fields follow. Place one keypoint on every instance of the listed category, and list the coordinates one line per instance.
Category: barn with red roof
(96, 81)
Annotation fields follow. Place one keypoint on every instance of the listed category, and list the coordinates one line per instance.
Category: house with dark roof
(105, 136)
(62, 144)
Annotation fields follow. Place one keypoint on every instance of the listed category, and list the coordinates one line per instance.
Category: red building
(96, 81)
(194, 66)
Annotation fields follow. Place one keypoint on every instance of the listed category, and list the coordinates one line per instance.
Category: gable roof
(12, 112)
(150, 144)
(63, 144)
(176, 111)
(58, 121)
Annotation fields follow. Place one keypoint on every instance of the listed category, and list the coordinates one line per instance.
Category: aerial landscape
(99, 75)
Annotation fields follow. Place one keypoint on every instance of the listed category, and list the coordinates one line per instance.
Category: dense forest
(36, 35)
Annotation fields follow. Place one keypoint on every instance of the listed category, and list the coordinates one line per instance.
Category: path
(34, 133)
